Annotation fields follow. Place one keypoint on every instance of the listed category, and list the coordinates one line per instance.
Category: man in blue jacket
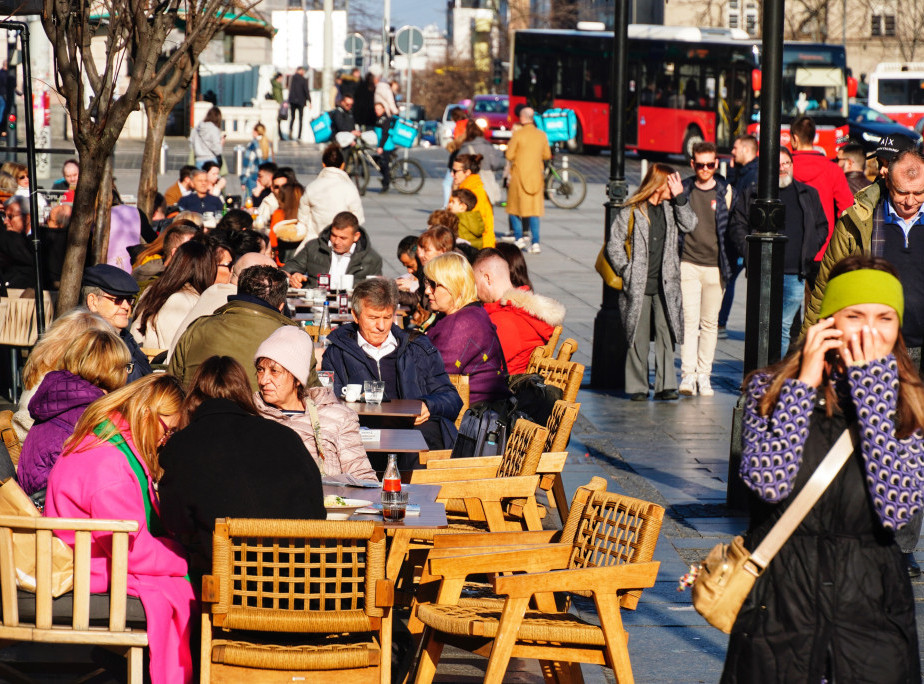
(374, 348)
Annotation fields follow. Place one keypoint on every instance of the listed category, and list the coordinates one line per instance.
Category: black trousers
(293, 110)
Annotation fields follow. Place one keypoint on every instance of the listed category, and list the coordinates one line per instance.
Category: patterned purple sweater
(894, 467)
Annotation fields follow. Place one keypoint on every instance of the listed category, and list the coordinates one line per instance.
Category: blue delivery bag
(403, 133)
(559, 125)
(322, 129)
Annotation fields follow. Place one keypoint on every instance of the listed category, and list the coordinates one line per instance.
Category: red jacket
(815, 169)
(524, 321)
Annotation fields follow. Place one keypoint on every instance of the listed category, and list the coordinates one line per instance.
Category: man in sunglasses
(707, 261)
(110, 292)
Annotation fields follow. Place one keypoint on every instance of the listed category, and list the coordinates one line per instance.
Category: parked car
(867, 127)
(428, 133)
(491, 112)
(444, 133)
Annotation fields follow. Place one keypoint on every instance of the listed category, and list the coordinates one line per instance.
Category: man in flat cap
(110, 292)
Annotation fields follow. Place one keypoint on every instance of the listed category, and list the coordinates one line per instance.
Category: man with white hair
(527, 153)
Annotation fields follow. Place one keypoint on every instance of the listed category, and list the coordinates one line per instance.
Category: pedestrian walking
(835, 604)
(299, 96)
(852, 160)
(642, 251)
(207, 140)
(276, 94)
(527, 153)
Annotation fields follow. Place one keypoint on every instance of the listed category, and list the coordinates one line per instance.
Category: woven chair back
(566, 375)
(616, 529)
(567, 349)
(523, 449)
(313, 576)
(560, 423)
(460, 382)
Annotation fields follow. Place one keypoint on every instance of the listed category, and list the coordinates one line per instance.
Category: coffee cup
(346, 282)
(352, 392)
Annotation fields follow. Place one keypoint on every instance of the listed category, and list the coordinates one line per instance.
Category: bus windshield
(813, 82)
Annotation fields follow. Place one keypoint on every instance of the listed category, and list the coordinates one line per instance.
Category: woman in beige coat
(527, 153)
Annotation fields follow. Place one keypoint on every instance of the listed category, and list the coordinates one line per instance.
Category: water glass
(326, 378)
(394, 505)
(374, 391)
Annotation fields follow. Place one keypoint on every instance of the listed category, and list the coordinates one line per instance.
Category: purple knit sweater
(57, 405)
(467, 341)
(894, 467)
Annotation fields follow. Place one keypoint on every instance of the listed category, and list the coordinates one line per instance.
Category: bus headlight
(482, 123)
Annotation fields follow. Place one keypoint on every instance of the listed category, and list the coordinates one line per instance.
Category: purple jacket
(56, 407)
(467, 340)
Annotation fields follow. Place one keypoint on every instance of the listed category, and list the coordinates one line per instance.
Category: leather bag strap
(794, 515)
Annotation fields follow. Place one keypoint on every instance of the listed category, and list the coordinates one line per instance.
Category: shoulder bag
(726, 577)
(603, 266)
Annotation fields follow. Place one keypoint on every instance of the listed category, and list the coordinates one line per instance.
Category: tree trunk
(103, 214)
(150, 160)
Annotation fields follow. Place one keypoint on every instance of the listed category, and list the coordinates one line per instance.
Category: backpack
(482, 432)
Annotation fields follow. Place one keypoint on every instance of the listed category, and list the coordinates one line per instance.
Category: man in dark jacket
(374, 348)
(707, 259)
(299, 96)
(341, 117)
(807, 229)
(109, 292)
(17, 263)
(342, 248)
(852, 160)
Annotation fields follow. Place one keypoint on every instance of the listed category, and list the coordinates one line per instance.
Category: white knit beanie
(291, 348)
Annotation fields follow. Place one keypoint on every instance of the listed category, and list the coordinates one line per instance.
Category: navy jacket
(746, 175)
(139, 358)
(724, 203)
(421, 373)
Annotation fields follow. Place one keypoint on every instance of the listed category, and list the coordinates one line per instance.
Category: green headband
(865, 286)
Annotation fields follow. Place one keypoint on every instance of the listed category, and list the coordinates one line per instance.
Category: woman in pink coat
(107, 471)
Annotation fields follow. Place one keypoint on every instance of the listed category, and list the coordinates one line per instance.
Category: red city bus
(897, 90)
(685, 85)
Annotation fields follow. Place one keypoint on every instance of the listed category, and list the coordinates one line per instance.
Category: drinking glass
(374, 390)
(394, 505)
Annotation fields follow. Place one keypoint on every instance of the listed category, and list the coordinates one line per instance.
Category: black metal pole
(766, 245)
(23, 30)
(609, 351)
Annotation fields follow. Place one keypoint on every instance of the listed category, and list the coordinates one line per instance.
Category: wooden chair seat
(62, 609)
(331, 653)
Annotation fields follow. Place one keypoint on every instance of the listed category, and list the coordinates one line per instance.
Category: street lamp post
(609, 348)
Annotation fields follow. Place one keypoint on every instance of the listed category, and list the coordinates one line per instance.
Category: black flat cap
(111, 280)
(891, 145)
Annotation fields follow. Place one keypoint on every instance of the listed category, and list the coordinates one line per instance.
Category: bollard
(163, 158)
(239, 155)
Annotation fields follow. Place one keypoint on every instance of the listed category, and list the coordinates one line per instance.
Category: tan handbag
(602, 265)
(14, 501)
(727, 575)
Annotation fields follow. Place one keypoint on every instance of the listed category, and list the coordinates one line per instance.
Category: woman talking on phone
(835, 604)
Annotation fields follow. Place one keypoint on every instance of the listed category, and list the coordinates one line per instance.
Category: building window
(882, 24)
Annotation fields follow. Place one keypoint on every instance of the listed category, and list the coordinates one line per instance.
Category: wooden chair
(292, 599)
(559, 424)
(548, 349)
(460, 382)
(567, 349)
(9, 436)
(114, 621)
(608, 559)
(567, 375)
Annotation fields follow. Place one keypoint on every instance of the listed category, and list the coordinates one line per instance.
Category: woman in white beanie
(329, 429)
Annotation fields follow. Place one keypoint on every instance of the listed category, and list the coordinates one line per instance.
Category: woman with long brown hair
(643, 252)
(289, 196)
(835, 604)
(107, 472)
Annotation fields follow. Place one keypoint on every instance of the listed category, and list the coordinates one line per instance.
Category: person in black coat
(230, 462)
(299, 96)
(363, 111)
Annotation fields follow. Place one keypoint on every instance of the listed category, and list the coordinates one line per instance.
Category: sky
(418, 13)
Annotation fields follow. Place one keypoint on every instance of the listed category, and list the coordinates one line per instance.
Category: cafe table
(432, 517)
(407, 443)
(394, 413)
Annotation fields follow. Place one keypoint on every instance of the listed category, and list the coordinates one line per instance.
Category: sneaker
(535, 248)
(705, 387)
(722, 333)
(522, 243)
(509, 237)
(688, 385)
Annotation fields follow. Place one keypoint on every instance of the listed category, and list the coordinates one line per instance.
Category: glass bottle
(324, 325)
(391, 482)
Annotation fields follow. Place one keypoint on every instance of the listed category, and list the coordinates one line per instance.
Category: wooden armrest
(209, 589)
(610, 579)
(439, 475)
(552, 462)
(489, 490)
(71, 524)
(472, 461)
(532, 560)
(490, 539)
(384, 593)
(434, 455)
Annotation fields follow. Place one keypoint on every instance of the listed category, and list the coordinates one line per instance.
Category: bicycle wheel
(358, 170)
(407, 176)
(566, 187)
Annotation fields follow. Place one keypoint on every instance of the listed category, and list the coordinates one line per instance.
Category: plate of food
(340, 508)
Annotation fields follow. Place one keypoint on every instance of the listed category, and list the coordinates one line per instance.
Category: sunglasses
(432, 284)
(168, 432)
(118, 301)
(700, 166)
(279, 186)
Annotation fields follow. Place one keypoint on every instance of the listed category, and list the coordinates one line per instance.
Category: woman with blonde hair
(96, 362)
(643, 251)
(258, 151)
(107, 472)
(48, 355)
(465, 336)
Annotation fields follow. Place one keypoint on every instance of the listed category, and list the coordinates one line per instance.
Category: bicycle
(566, 187)
(407, 175)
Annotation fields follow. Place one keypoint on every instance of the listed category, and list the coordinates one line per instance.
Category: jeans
(447, 188)
(701, 290)
(730, 293)
(532, 225)
(793, 298)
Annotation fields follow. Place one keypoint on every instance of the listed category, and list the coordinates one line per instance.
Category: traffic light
(498, 72)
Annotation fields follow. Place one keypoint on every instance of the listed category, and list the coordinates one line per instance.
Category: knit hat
(291, 348)
(863, 286)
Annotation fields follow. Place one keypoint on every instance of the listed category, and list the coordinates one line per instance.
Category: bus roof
(689, 34)
(899, 67)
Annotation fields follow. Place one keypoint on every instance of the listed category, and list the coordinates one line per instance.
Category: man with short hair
(805, 226)
(299, 96)
(326, 196)
(372, 347)
(237, 328)
(181, 188)
(17, 262)
(707, 258)
(264, 187)
(71, 172)
(744, 154)
(200, 200)
(852, 160)
(524, 320)
(341, 117)
(890, 225)
(527, 153)
(812, 167)
(343, 248)
(889, 147)
(109, 291)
